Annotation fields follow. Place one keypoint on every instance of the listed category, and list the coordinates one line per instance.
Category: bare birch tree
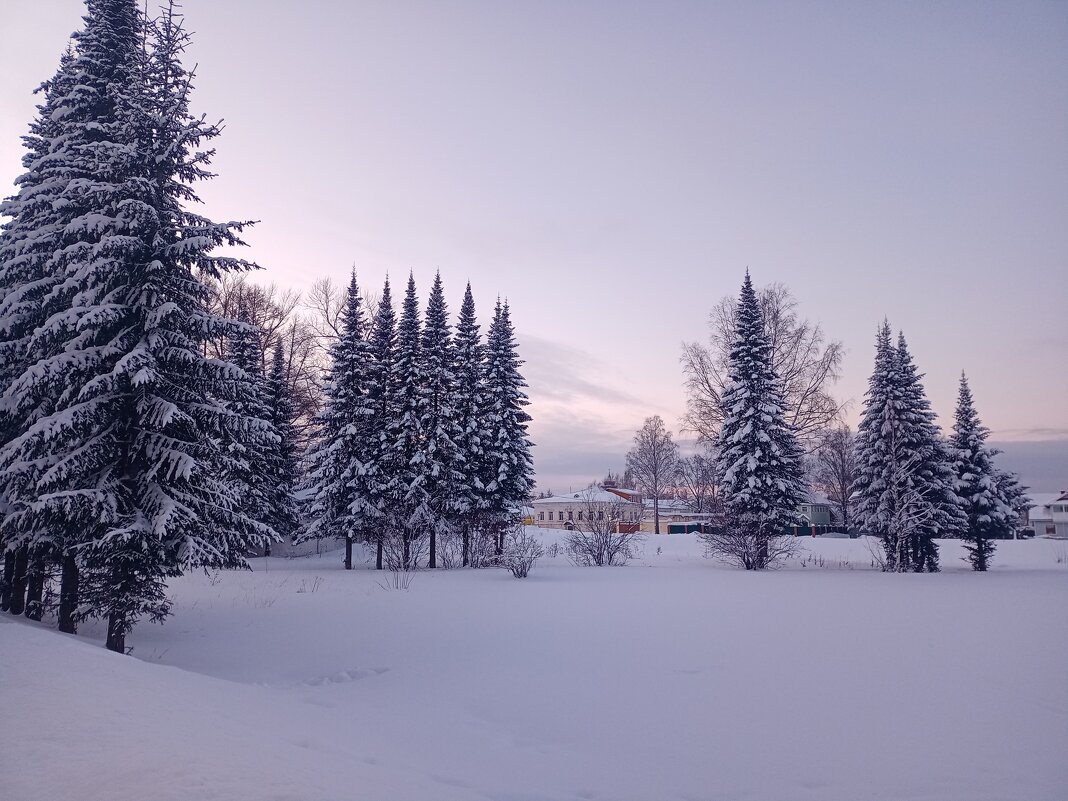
(834, 470)
(323, 304)
(806, 363)
(276, 313)
(653, 461)
(697, 482)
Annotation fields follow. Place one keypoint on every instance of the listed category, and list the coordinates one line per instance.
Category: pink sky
(613, 168)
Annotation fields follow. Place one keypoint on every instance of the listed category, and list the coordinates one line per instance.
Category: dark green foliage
(986, 493)
(758, 455)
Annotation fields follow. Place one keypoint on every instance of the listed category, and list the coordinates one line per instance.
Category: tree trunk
(18, 581)
(466, 556)
(35, 589)
(5, 584)
(433, 558)
(378, 555)
(68, 594)
(348, 552)
(407, 555)
(656, 514)
(116, 633)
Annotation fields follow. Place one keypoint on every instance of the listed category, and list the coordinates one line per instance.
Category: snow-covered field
(670, 678)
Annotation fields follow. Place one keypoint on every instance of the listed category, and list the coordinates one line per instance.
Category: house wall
(818, 513)
(565, 512)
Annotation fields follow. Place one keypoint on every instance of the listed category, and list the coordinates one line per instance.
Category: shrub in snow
(521, 551)
(747, 546)
(600, 537)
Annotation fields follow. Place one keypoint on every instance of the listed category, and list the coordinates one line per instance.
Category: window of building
(550, 516)
(600, 515)
(568, 514)
(541, 515)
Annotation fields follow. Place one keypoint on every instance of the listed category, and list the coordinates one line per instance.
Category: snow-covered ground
(670, 678)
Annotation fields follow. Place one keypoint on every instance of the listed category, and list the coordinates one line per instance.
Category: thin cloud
(557, 371)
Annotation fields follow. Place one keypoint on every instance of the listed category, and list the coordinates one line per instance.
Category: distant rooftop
(595, 494)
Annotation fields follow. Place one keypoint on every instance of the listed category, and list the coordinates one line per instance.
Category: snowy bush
(521, 551)
(601, 538)
(588, 548)
(482, 548)
(748, 546)
(603, 534)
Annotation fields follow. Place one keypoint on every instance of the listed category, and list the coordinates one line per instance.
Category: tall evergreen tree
(28, 240)
(932, 474)
(380, 404)
(979, 485)
(250, 450)
(441, 433)
(759, 457)
(876, 449)
(904, 487)
(469, 372)
(342, 451)
(283, 473)
(126, 460)
(509, 468)
(404, 468)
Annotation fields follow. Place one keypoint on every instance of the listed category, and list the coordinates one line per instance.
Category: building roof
(1038, 499)
(812, 496)
(593, 494)
(668, 505)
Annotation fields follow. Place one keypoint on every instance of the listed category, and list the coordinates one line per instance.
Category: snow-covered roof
(594, 494)
(1045, 498)
(817, 497)
(668, 505)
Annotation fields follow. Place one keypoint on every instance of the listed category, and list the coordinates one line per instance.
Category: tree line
(421, 444)
(767, 439)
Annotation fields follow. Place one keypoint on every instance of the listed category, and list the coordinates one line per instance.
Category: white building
(564, 511)
(816, 509)
(1049, 514)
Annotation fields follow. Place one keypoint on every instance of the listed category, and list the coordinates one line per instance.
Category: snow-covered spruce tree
(283, 465)
(990, 514)
(128, 452)
(404, 469)
(27, 241)
(876, 450)
(341, 453)
(251, 449)
(932, 474)
(442, 479)
(509, 467)
(468, 369)
(904, 488)
(380, 406)
(759, 457)
(1012, 492)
